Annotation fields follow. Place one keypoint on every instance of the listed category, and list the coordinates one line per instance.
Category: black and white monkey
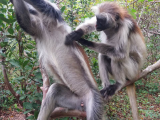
(75, 83)
(122, 50)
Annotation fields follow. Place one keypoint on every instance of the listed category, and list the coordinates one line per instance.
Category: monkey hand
(73, 36)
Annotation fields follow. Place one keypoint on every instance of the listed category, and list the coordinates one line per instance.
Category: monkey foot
(108, 92)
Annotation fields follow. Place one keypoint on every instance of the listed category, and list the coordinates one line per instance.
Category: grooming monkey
(75, 83)
(122, 50)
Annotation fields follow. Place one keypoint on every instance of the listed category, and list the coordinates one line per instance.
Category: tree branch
(145, 72)
(62, 112)
(6, 80)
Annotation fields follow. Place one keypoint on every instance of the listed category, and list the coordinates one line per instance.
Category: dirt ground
(11, 115)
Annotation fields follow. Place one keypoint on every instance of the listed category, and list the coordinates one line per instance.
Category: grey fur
(121, 41)
(66, 64)
(122, 50)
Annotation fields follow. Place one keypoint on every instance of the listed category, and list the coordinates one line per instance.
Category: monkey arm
(85, 28)
(24, 18)
(105, 49)
(46, 8)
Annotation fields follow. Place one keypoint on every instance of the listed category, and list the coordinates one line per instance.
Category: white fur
(95, 9)
(89, 99)
(88, 26)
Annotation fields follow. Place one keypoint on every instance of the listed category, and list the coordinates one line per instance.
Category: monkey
(122, 50)
(69, 66)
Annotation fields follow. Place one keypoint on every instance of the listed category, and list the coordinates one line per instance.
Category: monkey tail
(94, 105)
(131, 91)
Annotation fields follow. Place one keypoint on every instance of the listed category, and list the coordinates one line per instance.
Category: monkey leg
(104, 67)
(60, 95)
(119, 76)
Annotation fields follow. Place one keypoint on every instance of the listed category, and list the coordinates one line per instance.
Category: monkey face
(104, 21)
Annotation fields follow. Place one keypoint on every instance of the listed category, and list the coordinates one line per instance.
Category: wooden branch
(6, 81)
(62, 112)
(58, 112)
(145, 72)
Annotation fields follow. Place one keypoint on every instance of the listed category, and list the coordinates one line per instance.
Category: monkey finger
(72, 37)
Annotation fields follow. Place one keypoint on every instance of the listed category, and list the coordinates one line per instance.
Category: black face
(104, 22)
(101, 23)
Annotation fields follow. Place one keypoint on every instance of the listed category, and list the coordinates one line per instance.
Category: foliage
(21, 59)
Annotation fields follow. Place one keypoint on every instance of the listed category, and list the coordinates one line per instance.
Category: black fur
(47, 9)
(33, 12)
(101, 23)
(86, 42)
(11, 1)
(108, 63)
(109, 91)
(76, 35)
(25, 27)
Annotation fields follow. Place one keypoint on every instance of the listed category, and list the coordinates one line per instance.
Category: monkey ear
(117, 17)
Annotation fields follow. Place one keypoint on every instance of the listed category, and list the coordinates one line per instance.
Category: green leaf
(10, 10)
(36, 106)
(22, 97)
(15, 105)
(112, 82)
(3, 44)
(38, 75)
(29, 46)
(10, 30)
(36, 114)
(1, 22)
(2, 54)
(10, 36)
(140, 0)
(27, 105)
(15, 63)
(150, 0)
(27, 111)
(63, 8)
(25, 63)
(19, 78)
(3, 2)
(12, 49)
(2, 17)
(30, 117)
(133, 10)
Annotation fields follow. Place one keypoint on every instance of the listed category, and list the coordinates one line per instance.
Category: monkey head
(108, 15)
(104, 21)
